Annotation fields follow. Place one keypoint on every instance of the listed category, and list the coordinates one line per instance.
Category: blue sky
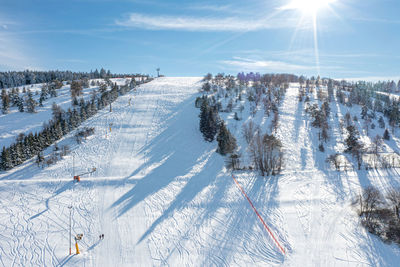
(355, 38)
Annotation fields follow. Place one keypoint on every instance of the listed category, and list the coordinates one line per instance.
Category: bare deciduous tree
(275, 122)
(377, 143)
(393, 197)
(249, 129)
(369, 200)
(266, 152)
(335, 160)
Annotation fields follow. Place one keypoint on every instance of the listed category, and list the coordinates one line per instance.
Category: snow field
(162, 196)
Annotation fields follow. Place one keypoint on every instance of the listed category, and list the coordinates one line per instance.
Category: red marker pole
(259, 216)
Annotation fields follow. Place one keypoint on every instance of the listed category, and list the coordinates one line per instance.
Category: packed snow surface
(162, 196)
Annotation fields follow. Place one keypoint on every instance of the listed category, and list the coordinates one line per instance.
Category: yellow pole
(77, 248)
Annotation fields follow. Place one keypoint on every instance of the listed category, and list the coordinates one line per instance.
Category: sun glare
(310, 7)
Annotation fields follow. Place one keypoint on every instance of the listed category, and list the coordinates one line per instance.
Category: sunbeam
(309, 9)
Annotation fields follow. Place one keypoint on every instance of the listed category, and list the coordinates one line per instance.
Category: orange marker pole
(259, 216)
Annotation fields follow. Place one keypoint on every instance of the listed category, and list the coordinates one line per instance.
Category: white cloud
(246, 64)
(186, 23)
(216, 8)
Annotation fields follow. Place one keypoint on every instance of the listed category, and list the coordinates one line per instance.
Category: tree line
(27, 77)
(62, 122)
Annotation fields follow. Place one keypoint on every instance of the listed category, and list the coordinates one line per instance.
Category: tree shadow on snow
(174, 153)
(242, 232)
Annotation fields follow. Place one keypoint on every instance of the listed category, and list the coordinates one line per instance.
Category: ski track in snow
(162, 196)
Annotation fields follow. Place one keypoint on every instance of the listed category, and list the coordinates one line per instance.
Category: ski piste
(162, 196)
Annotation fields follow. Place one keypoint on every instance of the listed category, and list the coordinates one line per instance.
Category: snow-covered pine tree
(132, 83)
(39, 159)
(226, 141)
(203, 117)
(83, 113)
(208, 121)
(20, 104)
(6, 163)
(206, 87)
(386, 135)
(76, 89)
(5, 100)
(13, 97)
(352, 139)
(364, 112)
(30, 103)
(58, 131)
(43, 94)
(103, 73)
(102, 88)
(52, 90)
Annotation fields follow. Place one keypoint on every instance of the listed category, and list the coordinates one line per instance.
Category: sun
(309, 7)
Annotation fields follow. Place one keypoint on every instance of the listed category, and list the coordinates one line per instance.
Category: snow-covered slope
(15, 122)
(161, 196)
(323, 229)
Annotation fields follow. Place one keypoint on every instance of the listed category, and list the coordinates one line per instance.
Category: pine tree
(212, 125)
(43, 95)
(386, 135)
(15, 155)
(326, 109)
(208, 121)
(324, 133)
(28, 146)
(352, 139)
(321, 147)
(83, 114)
(39, 159)
(103, 73)
(364, 112)
(5, 101)
(6, 162)
(30, 103)
(132, 84)
(20, 104)
(58, 131)
(76, 89)
(381, 122)
(226, 141)
(65, 126)
(206, 87)
(52, 90)
(102, 88)
(203, 116)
